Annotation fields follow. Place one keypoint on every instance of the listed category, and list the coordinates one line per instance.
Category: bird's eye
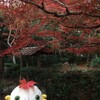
(17, 98)
(37, 97)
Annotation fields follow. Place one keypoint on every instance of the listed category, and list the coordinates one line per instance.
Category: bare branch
(42, 7)
(67, 13)
(8, 39)
(91, 15)
(61, 3)
(10, 45)
(97, 27)
(84, 27)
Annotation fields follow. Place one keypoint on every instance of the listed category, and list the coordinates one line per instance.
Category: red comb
(24, 84)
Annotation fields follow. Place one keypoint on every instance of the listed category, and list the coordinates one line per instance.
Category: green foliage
(46, 39)
(73, 85)
(76, 32)
(34, 22)
(11, 71)
(52, 60)
(96, 84)
(10, 64)
(95, 62)
(51, 26)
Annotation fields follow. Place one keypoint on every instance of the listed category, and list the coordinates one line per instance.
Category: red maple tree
(67, 25)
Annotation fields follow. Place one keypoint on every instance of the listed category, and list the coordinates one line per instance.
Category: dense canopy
(53, 25)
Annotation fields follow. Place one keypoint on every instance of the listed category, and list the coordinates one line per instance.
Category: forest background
(55, 42)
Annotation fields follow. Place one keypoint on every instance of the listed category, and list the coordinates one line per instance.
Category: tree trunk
(38, 62)
(1, 44)
(1, 63)
(1, 69)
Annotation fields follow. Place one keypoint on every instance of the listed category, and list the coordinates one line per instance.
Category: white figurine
(26, 91)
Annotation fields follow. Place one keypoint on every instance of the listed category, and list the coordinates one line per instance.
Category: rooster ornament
(26, 91)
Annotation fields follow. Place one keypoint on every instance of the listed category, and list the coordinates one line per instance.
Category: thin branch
(8, 39)
(10, 45)
(84, 27)
(97, 27)
(42, 7)
(67, 13)
(91, 15)
(61, 3)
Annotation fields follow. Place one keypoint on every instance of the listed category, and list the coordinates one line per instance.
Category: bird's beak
(44, 97)
(7, 97)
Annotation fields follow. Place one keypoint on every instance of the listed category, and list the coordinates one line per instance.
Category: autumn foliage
(56, 25)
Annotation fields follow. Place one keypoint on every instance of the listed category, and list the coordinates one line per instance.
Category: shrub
(95, 62)
(72, 85)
